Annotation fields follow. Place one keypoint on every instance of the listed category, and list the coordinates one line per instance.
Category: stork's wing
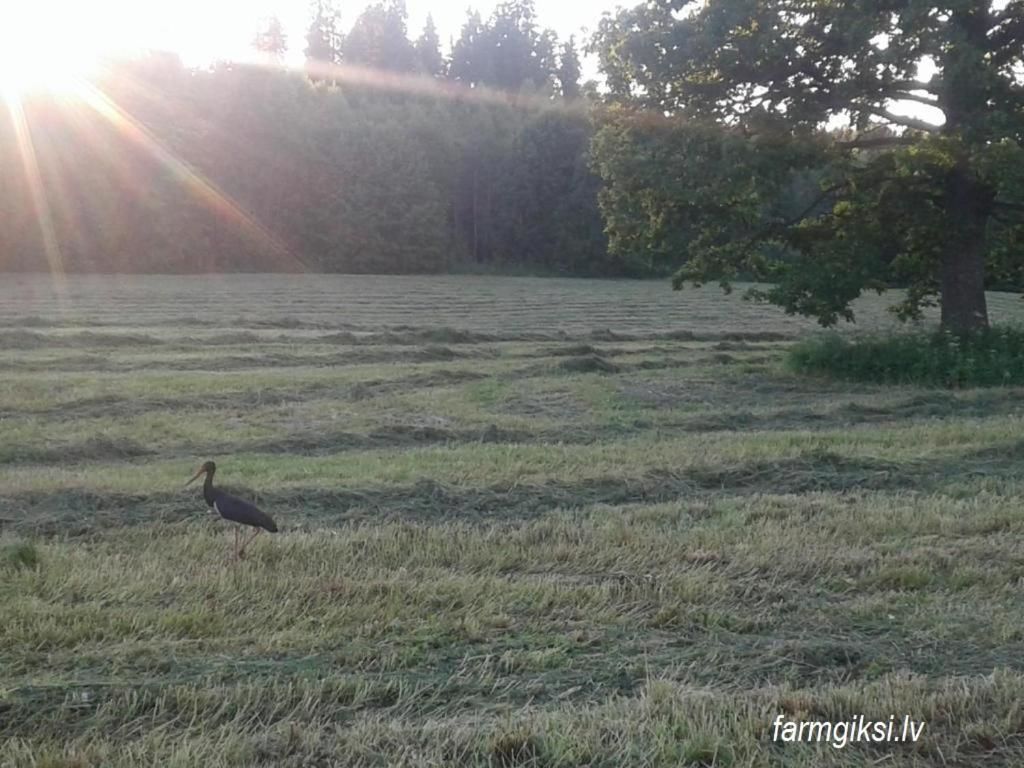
(241, 492)
(240, 511)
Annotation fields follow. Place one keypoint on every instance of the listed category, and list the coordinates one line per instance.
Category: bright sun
(39, 54)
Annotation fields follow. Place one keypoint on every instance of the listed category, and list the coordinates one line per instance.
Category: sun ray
(37, 192)
(426, 85)
(195, 182)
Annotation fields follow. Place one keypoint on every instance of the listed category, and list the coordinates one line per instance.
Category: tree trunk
(968, 205)
(476, 214)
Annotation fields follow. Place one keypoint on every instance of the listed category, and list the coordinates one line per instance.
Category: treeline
(384, 156)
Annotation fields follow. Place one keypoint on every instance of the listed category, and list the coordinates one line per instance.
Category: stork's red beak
(201, 471)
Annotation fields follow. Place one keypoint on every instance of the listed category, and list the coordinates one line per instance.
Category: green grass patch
(989, 358)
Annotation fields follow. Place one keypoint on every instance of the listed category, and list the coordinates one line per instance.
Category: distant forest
(382, 156)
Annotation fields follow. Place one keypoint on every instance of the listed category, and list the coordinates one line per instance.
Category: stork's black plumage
(233, 508)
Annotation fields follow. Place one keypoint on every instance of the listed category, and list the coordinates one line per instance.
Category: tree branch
(1011, 10)
(777, 226)
(931, 101)
(933, 86)
(1008, 206)
(807, 211)
(878, 142)
(1006, 40)
(907, 122)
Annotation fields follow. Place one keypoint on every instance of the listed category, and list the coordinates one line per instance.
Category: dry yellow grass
(488, 556)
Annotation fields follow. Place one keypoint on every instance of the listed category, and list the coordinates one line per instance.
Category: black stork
(233, 508)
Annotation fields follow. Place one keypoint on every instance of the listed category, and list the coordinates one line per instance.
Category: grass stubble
(611, 545)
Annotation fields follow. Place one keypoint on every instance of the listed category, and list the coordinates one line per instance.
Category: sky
(204, 30)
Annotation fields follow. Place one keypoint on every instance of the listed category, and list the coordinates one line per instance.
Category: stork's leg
(241, 552)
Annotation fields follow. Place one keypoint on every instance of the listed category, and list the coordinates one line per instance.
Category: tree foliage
(323, 41)
(428, 50)
(272, 41)
(727, 110)
(250, 168)
(379, 39)
(508, 52)
(569, 70)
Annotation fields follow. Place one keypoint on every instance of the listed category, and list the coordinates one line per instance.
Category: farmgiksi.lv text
(843, 732)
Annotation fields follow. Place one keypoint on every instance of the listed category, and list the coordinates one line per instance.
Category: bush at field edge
(992, 357)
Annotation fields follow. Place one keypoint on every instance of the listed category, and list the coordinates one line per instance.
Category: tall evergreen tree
(569, 70)
(322, 37)
(271, 42)
(518, 51)
(428, 50)
(508, 53)
(466, 65)
(379, 40)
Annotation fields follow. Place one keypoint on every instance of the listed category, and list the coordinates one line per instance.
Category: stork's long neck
(208, 489)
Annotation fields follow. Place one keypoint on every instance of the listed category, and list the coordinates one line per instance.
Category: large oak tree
(826, 147)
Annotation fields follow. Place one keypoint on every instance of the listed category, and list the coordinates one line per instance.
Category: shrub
(988, 358)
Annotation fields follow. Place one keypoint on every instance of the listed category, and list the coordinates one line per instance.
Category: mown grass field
(524, 523)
